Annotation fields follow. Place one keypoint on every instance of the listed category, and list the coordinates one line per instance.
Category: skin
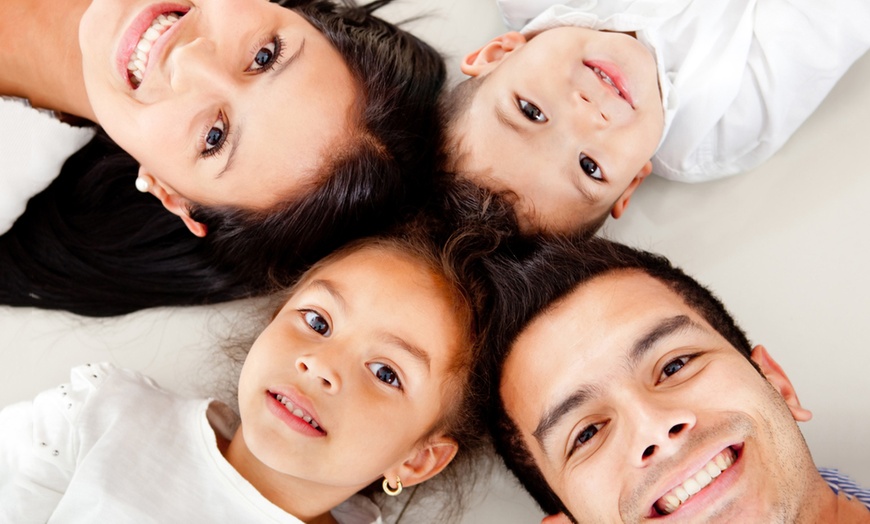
(651, 422)
(544, 125)
(343, 324)
(276, 122)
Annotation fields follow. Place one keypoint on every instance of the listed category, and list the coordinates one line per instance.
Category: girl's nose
(319, 369)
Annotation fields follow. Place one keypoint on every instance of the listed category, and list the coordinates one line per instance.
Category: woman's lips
(130, 41)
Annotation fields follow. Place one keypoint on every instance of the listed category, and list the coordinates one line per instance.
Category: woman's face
(225, 101)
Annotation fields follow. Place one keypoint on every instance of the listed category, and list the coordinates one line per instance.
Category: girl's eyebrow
(331, 290)
(415, 351)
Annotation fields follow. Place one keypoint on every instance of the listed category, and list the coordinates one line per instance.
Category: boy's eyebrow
(506, 120)
(642, 345)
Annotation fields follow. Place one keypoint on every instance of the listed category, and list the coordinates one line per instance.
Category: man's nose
(658, 429)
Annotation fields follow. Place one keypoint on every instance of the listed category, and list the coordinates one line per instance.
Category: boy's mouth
(611, 76)
(677, 496)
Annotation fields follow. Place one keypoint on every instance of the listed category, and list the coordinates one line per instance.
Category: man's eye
(674, 366)
(590, 167)
(585, 435)
(317, 323)
(267, 56)
(385, 374)
(531, 111)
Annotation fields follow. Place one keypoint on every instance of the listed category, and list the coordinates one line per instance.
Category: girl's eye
(674, 366)
(531, 111)
(590, 167)
(385, 374)
(317, 323)
(586, 435)
(215, 137)
(267, 56)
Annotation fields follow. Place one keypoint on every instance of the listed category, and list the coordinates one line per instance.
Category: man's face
(634, 408)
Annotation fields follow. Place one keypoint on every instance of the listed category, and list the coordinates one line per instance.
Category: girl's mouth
(298, 412)
(139, 58)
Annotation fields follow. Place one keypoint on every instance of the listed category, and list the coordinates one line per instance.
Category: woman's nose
(195, 66)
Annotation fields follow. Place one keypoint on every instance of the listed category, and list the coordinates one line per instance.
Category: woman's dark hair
(91, 245)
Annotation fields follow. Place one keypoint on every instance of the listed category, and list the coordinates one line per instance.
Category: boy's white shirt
(111, 446)
(33, 147)
(738, 77)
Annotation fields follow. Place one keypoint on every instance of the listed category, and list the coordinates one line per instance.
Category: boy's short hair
(535, 277)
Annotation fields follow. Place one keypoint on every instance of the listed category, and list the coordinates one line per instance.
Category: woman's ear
(777, 377)
(487, 58)
(173, 202)
(427, 461)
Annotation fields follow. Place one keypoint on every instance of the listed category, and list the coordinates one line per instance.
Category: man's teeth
(606, 79)
(139, 59)
(680, 494)
(296, 411)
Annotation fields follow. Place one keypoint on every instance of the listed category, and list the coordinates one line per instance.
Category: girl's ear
(427, 461)
(485, 59)
(173, 202)
(777, 377)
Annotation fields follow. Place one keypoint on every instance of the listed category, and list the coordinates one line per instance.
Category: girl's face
(352, 373)
(225, 102)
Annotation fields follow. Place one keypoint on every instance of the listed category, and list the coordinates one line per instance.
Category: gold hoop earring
(389, 490)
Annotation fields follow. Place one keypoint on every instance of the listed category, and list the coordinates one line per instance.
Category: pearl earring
(143, 184)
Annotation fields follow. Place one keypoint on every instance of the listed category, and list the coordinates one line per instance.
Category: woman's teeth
(139, 58)
(296, 412)
(680, 494)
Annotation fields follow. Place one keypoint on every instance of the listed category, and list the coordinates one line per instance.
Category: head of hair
(532, 279)
(453, 107)
(92, 245)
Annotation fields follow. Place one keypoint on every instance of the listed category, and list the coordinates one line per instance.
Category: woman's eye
(215, 137)
(317, 323)
(385, 374)
(590, 167)
(266, 56)
(531, 111)
(673, 366)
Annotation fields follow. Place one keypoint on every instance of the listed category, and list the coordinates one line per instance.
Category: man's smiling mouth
(672, 500)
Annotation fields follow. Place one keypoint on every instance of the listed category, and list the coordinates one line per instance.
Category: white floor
(784, 246)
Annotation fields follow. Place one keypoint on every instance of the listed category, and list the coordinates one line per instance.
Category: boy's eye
(531, 111)
(317, 323)
(215, 137)
(267, 56)
(590, 167)
(673, 367)
(385, 374)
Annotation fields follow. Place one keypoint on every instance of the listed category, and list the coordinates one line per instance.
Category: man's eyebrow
(554, 416)
(665, 328)
(236, 135)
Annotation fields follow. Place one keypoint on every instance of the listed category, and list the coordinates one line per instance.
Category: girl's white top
(33, 147)
(738, 77)
(112, 446)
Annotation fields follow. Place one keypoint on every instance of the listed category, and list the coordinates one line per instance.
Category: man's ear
(427, 461)
(483, 60)
(777, 377)
(173, 202)
(622, 201)
(558, 518)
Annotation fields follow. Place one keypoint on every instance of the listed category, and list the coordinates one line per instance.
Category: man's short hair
(532, 279)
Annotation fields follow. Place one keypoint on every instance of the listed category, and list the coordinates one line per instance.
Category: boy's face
(567, 120)
(629, 401)
(364, 348)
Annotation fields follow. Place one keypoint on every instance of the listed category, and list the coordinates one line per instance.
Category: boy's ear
(427, 461)
(777, 377)
(558, 518)
(173, 202)
(483, 60)
(622, 202)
